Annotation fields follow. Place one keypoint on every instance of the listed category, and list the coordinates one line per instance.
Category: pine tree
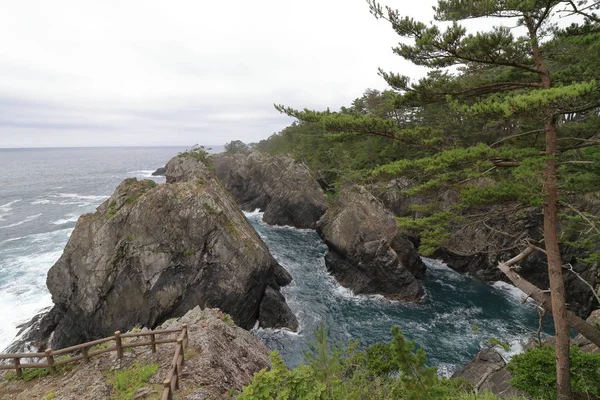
(531, 75)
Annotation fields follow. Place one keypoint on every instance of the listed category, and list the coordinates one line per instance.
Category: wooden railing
(170, 384)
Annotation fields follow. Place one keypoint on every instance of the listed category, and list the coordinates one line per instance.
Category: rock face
(487, 371)
(220, 359)
(282, 187)
(153, 252)
(366, 252)
(477, 248)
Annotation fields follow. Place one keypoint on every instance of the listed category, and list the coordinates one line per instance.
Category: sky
(148, 73)
(109, 73)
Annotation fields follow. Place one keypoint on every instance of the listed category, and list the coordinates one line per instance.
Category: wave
(22, 295)
(66, 199)
(145, 173)
(28, 219)
(69, 218)
(5, 209)
(254, 213)
(510, 291)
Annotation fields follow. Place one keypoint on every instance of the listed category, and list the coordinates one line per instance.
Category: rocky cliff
(366, 252)
(220, 359)
(152, 252)
(494, 234)
(283, 188)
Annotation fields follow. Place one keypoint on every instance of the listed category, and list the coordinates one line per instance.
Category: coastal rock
(153, 252)
(282, 187)
(272, 314)
(366, 252)
(160, 172)
(487, 371)
(220, 359)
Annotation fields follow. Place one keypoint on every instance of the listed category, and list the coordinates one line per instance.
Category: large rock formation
(282, 187)
(366, 252)
(153, 252)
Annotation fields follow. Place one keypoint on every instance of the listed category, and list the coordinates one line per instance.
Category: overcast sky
(106, 73)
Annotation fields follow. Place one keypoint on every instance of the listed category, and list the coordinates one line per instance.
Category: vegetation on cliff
(515, 119)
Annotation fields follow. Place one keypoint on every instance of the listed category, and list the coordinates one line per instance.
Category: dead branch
(570, 268)
(543, 299)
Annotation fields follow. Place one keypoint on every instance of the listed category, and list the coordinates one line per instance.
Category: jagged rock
(160, 171)
(487, 371)
(366, 252)
(272, 314)
(283, 188)
(153, 252)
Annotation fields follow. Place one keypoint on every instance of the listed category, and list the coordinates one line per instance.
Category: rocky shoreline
(154, 252)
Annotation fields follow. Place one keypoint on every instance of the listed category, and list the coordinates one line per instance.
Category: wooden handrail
(170, 384)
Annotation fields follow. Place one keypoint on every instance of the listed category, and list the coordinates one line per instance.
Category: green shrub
(199, 153)
(391, 371)
(126, 382)
(534, 372)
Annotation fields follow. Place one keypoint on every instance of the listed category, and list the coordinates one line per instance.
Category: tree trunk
(557, 286)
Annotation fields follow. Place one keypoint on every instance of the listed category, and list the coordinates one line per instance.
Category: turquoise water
(456, 317)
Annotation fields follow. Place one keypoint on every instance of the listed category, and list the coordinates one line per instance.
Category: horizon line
(103, 147)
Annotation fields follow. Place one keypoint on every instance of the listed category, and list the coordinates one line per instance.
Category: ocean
(44, 191)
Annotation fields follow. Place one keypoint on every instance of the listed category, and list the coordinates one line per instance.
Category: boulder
(487, 371)
(160, 172)
(366, 252)
(282, 187)
(152, 252)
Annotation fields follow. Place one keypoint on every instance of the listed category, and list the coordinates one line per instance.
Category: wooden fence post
(180, 344)
(50, 359)
(119, 344)
(84, 354)
(167, 386)
(17, 363)
(153, 342)
(185, 335)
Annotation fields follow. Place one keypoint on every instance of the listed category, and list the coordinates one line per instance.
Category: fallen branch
(543, 299)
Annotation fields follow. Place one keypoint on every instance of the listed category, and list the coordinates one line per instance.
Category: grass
(50, 396)
(30, 374)
(127, 382)
(100, 346)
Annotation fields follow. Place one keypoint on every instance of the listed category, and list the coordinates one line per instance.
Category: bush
(392, 371)
(534, 372)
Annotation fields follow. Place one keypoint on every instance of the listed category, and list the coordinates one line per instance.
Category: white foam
(24, 292)
(68, 219)
(510, 291)
(146, 173)
(28, 219)
(66, 199)
(254, 213)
